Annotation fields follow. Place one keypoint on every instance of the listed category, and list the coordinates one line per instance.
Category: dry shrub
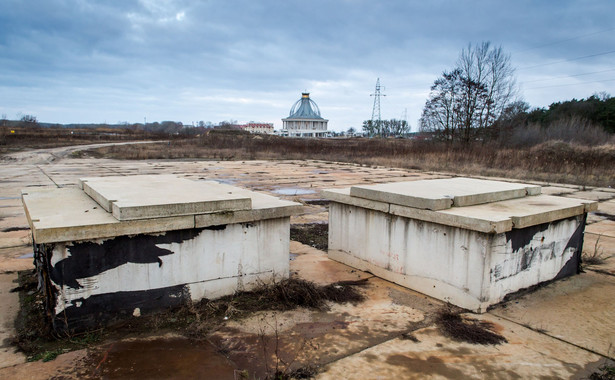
(468, 330)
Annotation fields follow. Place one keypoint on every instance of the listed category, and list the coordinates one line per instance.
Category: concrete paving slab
(443, 193)
(10, 307)
(527, 355)
(578, 309)
(155, 196)
(16, 259)
(319, 337)
(557, 190)
(604, 228)
(314, 265)
(601, 247)
(592, 195)
(607, 207)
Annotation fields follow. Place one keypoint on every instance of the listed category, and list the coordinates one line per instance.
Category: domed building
(304, 119)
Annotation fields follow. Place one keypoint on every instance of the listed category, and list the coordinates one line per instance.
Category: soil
(314, 234)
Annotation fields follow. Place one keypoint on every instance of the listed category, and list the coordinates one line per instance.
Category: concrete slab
(263, 207)
(16, 259)
(10, 307)
(577, 309)
(156, 196)
(607, 207)
(527, 355)
(593, 195)
(314, 265)
(443, 193)
(494, 217)
(557, 190)
(68, 214)
(525, 212)
(604, 228)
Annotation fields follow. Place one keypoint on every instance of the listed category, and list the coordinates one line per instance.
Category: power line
(568, 60)
(567, 76)
(566, 40)
(571, 84)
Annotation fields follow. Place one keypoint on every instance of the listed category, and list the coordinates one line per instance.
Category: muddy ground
(563, 330)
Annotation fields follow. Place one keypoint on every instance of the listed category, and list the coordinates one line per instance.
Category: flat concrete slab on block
(442, 194)
(496, 217)
(155, 196)
(525, 212)
(68, 214)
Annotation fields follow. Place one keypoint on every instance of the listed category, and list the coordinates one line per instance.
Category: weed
(606, 372)
(596, 257)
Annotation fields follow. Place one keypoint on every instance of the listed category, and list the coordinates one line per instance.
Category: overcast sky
(123, 61)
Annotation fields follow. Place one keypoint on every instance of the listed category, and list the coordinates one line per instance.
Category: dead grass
(20, 138)
(552, 161)
(469, 330)
(597, 256)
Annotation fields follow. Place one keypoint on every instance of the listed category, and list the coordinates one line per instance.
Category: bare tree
(473, 95)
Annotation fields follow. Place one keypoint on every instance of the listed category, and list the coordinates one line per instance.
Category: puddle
(226, 181)
(293, 191)
(292, 256)
(7, 198)
(26, 256)
(175, 358)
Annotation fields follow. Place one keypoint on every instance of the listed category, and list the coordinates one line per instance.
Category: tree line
(479, 99)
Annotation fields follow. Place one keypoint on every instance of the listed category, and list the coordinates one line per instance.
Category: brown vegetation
(550, 161)
(14, 139)
(469, 330)
(36, 338)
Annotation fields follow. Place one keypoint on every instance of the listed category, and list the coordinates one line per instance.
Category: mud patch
(314, 234)
(175, 358)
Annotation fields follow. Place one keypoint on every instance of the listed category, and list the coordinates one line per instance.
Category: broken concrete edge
(84, 220)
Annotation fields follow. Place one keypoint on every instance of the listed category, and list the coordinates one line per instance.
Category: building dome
(304, 119)
(305, 108)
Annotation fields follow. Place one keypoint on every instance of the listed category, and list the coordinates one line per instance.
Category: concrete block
(465, 267)
(156, 196)
(443, 193)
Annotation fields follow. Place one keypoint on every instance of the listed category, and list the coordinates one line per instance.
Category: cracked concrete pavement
(563, 330)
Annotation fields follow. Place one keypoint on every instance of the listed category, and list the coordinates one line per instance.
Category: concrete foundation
(95, 268)
(471, 256)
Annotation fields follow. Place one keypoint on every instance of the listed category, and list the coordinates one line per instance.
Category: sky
(86, 61)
